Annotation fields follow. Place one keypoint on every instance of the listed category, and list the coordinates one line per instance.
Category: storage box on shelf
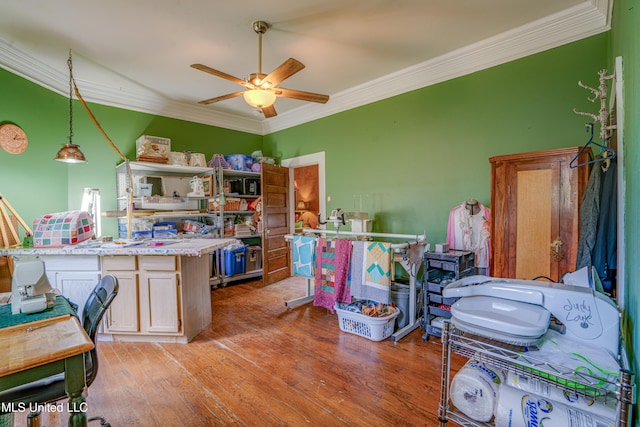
(254, 258)
(442, 268)
(235, 261)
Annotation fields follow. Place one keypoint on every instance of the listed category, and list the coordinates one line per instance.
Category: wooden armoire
(535, 202)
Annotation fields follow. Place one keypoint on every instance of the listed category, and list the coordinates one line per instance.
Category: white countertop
(181, 247)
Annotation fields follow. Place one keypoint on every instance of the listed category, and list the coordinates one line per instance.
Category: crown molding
(578, 22)
(581, 21)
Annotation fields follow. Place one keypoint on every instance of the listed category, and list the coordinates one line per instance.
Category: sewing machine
(518, 311)
(30, 288)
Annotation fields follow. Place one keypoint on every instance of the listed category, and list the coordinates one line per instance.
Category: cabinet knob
(557, 253)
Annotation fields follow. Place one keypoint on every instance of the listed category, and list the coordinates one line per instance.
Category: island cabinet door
(160, 302)
(74, 276)
(123, 313)
(76, 286)
(160, 294)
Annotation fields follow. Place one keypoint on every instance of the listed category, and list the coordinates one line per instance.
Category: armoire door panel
(534, 223)
(535, 200)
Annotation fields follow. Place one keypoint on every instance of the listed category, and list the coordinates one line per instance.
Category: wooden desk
(36, 350)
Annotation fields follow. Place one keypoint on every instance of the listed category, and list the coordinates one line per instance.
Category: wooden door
(275, 220)
(535, 199)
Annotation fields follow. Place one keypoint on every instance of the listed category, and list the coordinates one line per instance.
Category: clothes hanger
(605, 152)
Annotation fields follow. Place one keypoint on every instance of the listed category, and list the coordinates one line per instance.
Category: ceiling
(137, 54)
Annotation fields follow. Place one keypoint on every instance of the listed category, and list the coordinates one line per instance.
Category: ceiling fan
(262, 89)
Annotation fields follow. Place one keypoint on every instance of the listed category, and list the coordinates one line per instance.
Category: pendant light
(70, 152)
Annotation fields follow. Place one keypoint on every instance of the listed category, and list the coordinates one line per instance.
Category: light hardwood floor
(261, 364)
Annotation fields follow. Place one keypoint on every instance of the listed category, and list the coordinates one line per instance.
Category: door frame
(307, 160)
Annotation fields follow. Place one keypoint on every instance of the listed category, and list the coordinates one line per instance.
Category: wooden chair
(52, 389)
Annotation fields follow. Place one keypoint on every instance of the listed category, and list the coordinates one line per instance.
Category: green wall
(625, 42)
(411, 157)
(415, 156)
(34, 184)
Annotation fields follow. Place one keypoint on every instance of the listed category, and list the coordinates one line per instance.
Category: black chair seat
(52, 389)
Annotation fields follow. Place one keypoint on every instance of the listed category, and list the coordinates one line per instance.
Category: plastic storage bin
(254, 258)
(235, 261)
(164, 230)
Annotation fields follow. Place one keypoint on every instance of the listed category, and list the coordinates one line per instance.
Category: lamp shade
(260, 98)
(70, 153)
(301, 206)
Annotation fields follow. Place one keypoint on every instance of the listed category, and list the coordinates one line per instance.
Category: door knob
(557, 253)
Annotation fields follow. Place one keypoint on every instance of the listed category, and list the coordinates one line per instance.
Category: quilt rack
(399, 256)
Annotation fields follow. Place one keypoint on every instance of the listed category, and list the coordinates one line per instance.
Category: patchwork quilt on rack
(332, 273)
(371, 271)
(304, 255)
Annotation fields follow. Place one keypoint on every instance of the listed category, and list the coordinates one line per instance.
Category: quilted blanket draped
(332, 273)
(304, 254)
(371, 271)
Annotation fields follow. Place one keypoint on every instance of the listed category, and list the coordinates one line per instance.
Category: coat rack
(601, 94)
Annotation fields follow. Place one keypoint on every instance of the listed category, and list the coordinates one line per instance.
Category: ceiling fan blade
(219, 74)
(221, 98)
(269, 111)
(304, 96)
(287, 69)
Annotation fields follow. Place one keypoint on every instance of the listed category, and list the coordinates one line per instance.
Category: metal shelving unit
(512, 358)
(147, 170)
(219, 276)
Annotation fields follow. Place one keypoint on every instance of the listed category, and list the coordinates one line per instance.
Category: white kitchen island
(164, 293)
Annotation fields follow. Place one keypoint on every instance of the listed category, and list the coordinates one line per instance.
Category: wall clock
(13, 139)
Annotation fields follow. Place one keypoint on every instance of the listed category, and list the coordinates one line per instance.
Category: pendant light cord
(69, 63)
(95, 121)
(122, 156)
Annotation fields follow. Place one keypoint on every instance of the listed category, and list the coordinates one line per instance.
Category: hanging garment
(332, 273)
(605, 250)
(589, 213)
(471, 232)
(304, 255)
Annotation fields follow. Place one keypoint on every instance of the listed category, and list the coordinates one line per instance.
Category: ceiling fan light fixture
(259, 98)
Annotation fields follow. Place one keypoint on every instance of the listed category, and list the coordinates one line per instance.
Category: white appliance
(587, 316)
(31, 290)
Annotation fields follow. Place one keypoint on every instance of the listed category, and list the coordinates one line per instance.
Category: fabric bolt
(332, 273)
(304, 254)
